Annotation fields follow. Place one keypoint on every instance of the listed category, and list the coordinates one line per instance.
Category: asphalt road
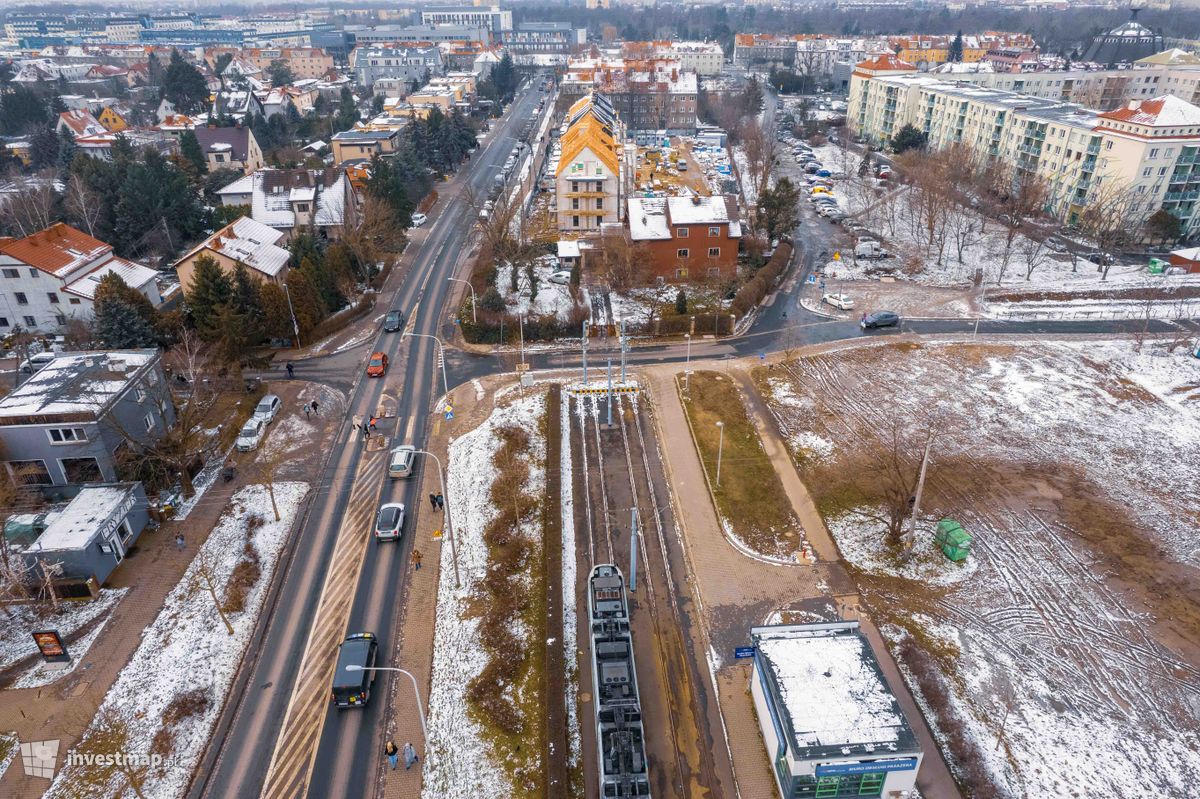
(350, 743)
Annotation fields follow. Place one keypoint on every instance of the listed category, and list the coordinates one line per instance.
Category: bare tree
(82, 203)
(206, 578)
(760, 149)
(1034, 254)
(108, 734)
(30, 207)
(623, 261)
(1113, 218)
(375, 233)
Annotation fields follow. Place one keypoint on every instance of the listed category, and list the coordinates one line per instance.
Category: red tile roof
(884, 61)
(58, 249)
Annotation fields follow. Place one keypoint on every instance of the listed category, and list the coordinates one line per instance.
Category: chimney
(695, 199)
(1133, 104)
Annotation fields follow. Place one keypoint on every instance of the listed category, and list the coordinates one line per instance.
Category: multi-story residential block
(304, 62)
(763, 49)
(648, 94)
(70, 421)
(387, 34)
(51, 277)
(291, 200)
(1147, 148)
(925, 52)
(364, 144)
(243, 241)
(495, 20)
(588, 166)
(703, 58)
(686, 238)
(414, 62)
(544, 37)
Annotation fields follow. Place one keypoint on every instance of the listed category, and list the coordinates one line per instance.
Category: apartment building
(686, 238)
(1148, 147)
(293, 200)
(704, 58)
(494, 19)
(414, 62)
(545, 37)
(648, 94)
(588, 166)
(304, 62)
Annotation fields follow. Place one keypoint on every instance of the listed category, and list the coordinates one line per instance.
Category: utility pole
(522, 341)
(585, 338)
(295, 325)
(633, 550)
(916, 508)
(720, 450)
(610, 391)
(624, 349)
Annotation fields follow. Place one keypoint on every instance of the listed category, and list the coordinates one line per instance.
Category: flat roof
(833, 700)
(75, 526)
(75, 384)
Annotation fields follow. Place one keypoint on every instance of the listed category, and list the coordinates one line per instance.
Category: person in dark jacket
(392, 753)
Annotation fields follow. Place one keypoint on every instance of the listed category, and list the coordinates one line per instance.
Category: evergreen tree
(155, 191)
(124, 318)
(21, 111)
(66, 153)
(681, 303)
(189, 148)
(864, 166)
(211, 289)
(184, 85)
(908, 138)
(778, 208)
(43, 148)
(306, 302)
(276, 319)
(956, 49)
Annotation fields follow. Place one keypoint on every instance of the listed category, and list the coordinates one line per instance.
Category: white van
(34, 363)
(400, 465)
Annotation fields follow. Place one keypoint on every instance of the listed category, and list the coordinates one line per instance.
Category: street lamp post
(441, 358)
(416, 690)
(449, 521)
(467, 283)
(295, 326)
(687, 368)
(720, 450)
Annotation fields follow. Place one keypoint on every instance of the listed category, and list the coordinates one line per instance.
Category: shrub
(186, 704)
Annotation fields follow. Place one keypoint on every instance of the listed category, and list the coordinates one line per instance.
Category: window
(50, 295)
(574, 221)
(141, 395)
(82, 470)
(220, 159)
(599, 203)
(681, 273)
(29, 321)
(29, 473)
(21, 298)
(302, 207)
(1108, 145)
(1154, 152)
(574, 185)
(714, 231)
(149, 420)
(3, 321)
(1162, 170)
(681, 233)
(67, 435)
(1146, 172)
(12, 272)
(714, 252)
(681, 253)
(33, 272)
(73, 300)
(575, 203)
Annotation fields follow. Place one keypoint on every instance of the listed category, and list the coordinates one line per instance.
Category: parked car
(268, 408)
(352, 687)
(419, 219)
(838, 301)
(34, 363)
(869, 249)
(1102, 258)
(400, 465)
(251, 434)
(389, 522)
(824, 173)
(880, 319)
(377, 365)
(562, 277)
(394, 321)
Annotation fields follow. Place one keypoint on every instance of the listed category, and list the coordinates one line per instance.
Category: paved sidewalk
(737, 591)
(65, 708)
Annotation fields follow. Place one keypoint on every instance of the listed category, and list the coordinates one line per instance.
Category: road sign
(743, 652)
(837, 255)
(437, 534)
(812, 278)
(762, 356)
(449, 415)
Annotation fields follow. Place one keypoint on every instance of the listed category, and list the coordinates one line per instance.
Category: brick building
(686, 238)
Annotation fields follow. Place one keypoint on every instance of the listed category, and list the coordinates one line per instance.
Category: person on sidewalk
(291, 370)
(410, 756)
(314, 406)
(393, 754)
(433, 501)
(179, 542)
(416, 559)
(441, 502)
(306, 410)
(374, 419)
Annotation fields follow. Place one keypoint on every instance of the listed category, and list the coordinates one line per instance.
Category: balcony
(593, 194)
(1093, 148)
(1181, 196)
(1028, 149)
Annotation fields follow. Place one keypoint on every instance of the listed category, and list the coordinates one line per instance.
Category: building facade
(69, 422)
(647, 94)
(495, 20)
(544, 37)
(587, 166)
(414, 62)
(243, 241)
(686, 238)
(291, 200)
(1148, 148)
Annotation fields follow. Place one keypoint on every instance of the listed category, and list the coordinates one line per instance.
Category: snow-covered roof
(648, 219)
(696, 210)
(1161, 112)
(833, 694)
(251, 242)
(243, 185)
(76, 525)
(133, 275)
(1189, 254)
(79, 384)
(568, 248)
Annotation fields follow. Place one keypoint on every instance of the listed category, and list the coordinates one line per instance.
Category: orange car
(377, 365)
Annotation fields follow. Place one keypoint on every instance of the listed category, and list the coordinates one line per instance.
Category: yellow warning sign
(437, 534)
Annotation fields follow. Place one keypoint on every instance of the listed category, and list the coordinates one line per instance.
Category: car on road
(377, 365)
(268, 408)
(838, 301)
(251, 434)
(400, 465)
(419, 219)
(877, 319)
(389, 522)
(394, 321)
(562, 277)
(352, 687)
(34, 363)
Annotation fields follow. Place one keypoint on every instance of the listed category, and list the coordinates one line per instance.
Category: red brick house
(686, 238)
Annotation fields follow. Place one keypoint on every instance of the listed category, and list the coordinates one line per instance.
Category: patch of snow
(39, 675)
(16, 642)
(569, 577)
(187, 647)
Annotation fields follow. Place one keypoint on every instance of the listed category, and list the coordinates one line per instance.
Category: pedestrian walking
(314, 406)
(179, 542)
(366, 433)
(374, 419)
(306, 410)
(441, 502)
(416, 559)
(433, 501)
(393, 754)
(291, 370)
(410, 756)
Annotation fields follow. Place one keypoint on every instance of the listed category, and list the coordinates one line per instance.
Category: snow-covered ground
(187, 647)
(553, 299)
(18, 620)
(459, 762)
(1046, 625)
(569, 611)
(9, 746)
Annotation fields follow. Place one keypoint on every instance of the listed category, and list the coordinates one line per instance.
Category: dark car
(393, 321)
(880, 319)
(353, 688)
